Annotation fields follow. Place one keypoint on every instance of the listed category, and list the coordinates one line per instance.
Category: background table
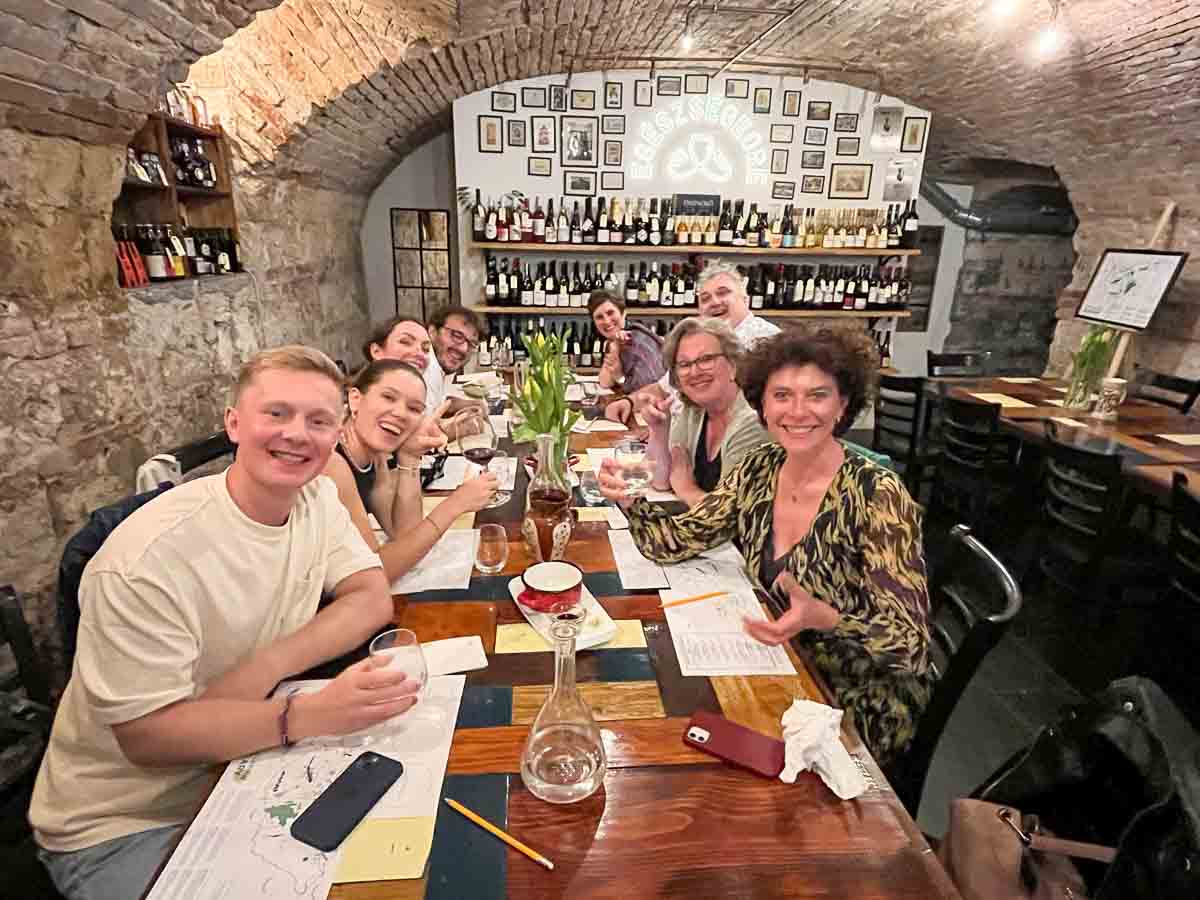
(669, 821)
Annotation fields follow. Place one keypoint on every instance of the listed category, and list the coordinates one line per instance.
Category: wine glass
(635, 470)
(478, 441)
(492, 553)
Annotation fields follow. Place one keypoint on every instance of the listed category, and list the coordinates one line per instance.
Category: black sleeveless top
(770, 568)
(707, 472)
(364, 481)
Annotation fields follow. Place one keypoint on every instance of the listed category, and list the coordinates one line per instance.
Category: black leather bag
(1122, 770)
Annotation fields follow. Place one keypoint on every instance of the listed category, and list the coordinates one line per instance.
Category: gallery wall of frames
(767, 139)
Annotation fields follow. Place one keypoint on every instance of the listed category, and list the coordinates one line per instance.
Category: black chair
(902, 428)
(965, 364)
(974, 470)
(1183, 546)
(1170, 390)
(972, 599)
(1083, 544)
(196, 453)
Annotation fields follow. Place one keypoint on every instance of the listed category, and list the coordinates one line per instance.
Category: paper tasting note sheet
(708, 634)
(451, 655)
(240, 844)
(446, 567)
(636, 571)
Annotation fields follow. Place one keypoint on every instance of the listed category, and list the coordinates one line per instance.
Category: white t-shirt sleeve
(347, 552)
(435, 385)
(137, 650)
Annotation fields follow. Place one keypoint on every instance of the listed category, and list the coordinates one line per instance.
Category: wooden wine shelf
(182, 126)
(692, 311)
(687, 249)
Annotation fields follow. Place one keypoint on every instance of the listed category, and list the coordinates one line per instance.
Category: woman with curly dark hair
(822, 527)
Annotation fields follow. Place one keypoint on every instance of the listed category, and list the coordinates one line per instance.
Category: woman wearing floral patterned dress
(835, 535)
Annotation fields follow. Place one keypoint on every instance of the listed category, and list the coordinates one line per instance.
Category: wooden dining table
(1139, 433)
(669, 821)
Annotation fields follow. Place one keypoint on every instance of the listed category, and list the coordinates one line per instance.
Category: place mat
(485, 706)
(515, 669)
(520, 637)
(466, 861)
(464, 522)
(1002, 399)
(607, 701)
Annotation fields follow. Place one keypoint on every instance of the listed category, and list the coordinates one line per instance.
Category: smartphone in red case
(735, 743)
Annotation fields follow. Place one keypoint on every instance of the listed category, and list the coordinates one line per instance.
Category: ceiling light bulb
(687, 41)
(1047, 41)
(1003, 9)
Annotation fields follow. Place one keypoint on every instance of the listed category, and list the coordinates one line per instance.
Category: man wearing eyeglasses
(721, 294)
(455, 332)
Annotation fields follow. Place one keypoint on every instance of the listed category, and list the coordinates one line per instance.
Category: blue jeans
(120, 869)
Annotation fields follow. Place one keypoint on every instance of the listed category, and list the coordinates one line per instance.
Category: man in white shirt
(721, 294)
(455, 332)
(194, 609)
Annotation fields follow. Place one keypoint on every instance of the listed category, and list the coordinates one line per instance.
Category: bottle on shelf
(588, 227)
(539, 286)
(787, 229)
(893, 240)
(585, 348)
(491, 223)
(912, 221)
(564, 226)
(631, 287)
(564, 288)
(752, 232)
(653, 286)
(755, 288)
(666, 295)
(683, 230)
(668, 223)
(551, 226)
(539, 221)
(502, 221)
(576, 224)
(725, 229)
(739, 224)
(641, 226)
(602, 233)
(526, 223)
(478, 218)
(616, 225)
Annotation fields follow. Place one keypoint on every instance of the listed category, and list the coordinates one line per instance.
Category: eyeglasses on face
(460, 337)
(703, 363)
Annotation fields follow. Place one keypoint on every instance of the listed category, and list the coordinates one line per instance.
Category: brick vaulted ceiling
(337, 91)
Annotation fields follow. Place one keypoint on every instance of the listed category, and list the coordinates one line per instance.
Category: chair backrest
(901, 416)
(1082, 493)
(1169, 390)
(965, 363)
(1183, 545)
(880, 459)
(29, 673)
(197, 453)
(78, 553)
(969, 448)
(972, 598)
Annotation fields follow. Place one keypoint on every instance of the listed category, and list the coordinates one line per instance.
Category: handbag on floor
(1120, 771)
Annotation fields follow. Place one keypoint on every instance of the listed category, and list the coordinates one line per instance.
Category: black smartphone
(342, 805)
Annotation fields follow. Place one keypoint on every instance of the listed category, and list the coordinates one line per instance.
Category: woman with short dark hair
(822, 527)
(632, 358)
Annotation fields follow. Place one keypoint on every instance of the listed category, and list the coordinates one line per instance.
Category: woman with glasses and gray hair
(716, 427)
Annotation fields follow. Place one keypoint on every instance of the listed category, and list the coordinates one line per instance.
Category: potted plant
(1089, 365)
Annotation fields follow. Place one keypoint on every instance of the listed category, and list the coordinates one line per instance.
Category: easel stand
(1158, 242)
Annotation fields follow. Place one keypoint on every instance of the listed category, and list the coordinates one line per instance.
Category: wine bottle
(564, 287)
(653, 285)
(502, 222)
(643, 296)
(769, 291)
(551, 225)
(616, 227)
(588, 228)
(642, 224)
(479, 217)
(631, 287)
(539, 286)
(683, 231)
(550, 286)
(521, 231)
(787, 230)
(912, 222)
(602, 234)
(539, 222)
(666, 296)
(709, 234)
(490, 282)
(502, 283)
(725, 230)
(514, 282)
(576, 235)
(755, 289)
(564, 226)
(752, 226)
(524, 287)
(669, 237)
(894, 227)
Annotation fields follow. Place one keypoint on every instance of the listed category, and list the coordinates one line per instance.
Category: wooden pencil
(694, 599)
(507, 838)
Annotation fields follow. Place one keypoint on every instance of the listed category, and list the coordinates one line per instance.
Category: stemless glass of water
(635, 468)
(492, 553)
(400, 651)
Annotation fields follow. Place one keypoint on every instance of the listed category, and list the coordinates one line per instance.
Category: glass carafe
(548, 523)
(564, 758)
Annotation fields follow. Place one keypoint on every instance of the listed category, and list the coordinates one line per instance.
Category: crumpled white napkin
(812, 739)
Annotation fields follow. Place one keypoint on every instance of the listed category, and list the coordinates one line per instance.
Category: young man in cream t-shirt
(191, 613)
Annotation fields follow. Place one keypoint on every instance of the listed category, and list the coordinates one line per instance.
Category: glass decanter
(548, 522)
(564, 760)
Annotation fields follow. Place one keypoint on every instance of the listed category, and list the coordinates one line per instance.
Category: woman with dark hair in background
(632, 358)
(823, 528)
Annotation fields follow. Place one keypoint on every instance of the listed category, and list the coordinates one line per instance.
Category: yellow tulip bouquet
(541, 398)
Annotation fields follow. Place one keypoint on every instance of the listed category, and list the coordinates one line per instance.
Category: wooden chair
(966, 364)
(1082, 543)
(902, 428)
(1169, 390)
(973, 468)
(973, 598)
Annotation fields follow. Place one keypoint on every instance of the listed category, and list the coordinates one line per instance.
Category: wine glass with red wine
(480, 445)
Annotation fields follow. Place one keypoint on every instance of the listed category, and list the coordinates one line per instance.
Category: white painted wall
(424, 180)
(908, 349)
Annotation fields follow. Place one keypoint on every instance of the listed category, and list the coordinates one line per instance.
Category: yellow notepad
(521, 638)
(463, 522)
(386, 849)
(592, 513)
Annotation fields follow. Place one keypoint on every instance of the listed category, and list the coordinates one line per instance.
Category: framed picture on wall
(812, 184)
(850, 181)
(819, 110)
(695, 84)
(491, 134)
(580, 143)
(516, 133)
(815, 137)
(791, 104)
(783, 190)
(544, 129)
(783, 134)
(534, 97)
(762, 100)
(912, 139)
(613, 152)
(612, 181)
(670, 85)
(848, 146)
(737, 88)
(583, 100)
(613, 91)
(504, 101)
(812, 159)
(885, 129)
(539, 166)
(779, 161)
(845, 122)
(612, 125)
(643, 93)
(579, 184)
(558, 98)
